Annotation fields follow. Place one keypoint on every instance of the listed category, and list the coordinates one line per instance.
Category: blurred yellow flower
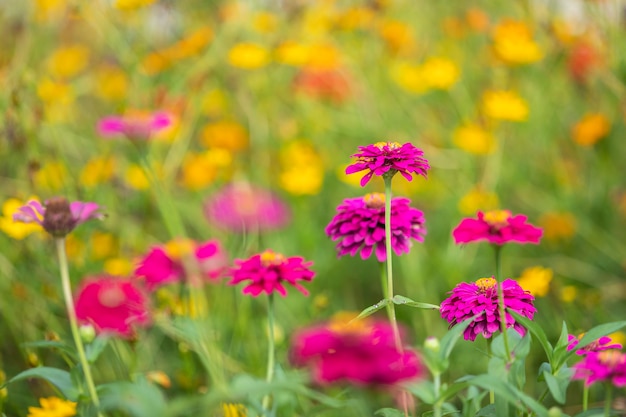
(68, 61)
(618, 337)
(302, 169)
(324, 56)
(54, 93)
(409, 77)
(514, 44)
(53, 407)
(200, 170)
(131, 4)
(398, 36)
(225, 135)
(102, 245)
(319, 18)
(590, 129)
(504, 105)
(97, 170)
(16, 230)
(478, 200)
(293, 53)
(536, 280)
(160, 378)
(558, 226)
(264, 22)
(568, 293)
(189, 46)
(352, 179)
(118, 267)
(49, 9)
(234, 410)
(356, 17)
(472, 138)
(136, 178)
(51, 176)
(248, 56)
(440, 73)
(75, 249)
(111, 83)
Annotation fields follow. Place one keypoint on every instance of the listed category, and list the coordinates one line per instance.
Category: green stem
(270, 350)
(608, 399)
(71, 314)
(503, 326)
(437, 386)
(492, 394)
(585, 397)
(389, 293)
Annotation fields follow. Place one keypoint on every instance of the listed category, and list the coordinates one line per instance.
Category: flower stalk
(502, 312)
(271, 355)
(389, 292)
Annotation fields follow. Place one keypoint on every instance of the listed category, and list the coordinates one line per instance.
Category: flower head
(57, 216)
(360, 352)
(241, 207)
(135, 126)
(603, 343)
(605, 366)
(504, 105)
(389, 158)
(536, 280)
(53, 407)
(513, 43)
(165, 264)
(269, 271)
(329, 84)
(10, 227)
(497, 227)
(480, 299)
(359, 225)
(112, 305)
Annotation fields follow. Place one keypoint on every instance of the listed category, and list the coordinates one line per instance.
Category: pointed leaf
(509, 393)
(138, 399)
(536, 331)
(372, 309)
(401, 300)
(389, 412)
(451, 337)
(57, 377)
(95, 348)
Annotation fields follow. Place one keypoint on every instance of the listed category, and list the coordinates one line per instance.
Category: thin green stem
(503, 324)
(585, 397)
(492, 394)
(437, 387)
(394, 322)
(270, 347)
(71, 314)
(608, 400)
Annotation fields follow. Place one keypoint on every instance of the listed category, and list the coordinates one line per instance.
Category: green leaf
(401, 300)
(138, 399)
(487, 411)
(536, 331)
(95, 348)
(52, 344)
(556, 389)
(372, 309)
(597, 332)
(451, 337)
(389, 412)
(594, 412)
(509, 393)
(424, 390)
(57, 377)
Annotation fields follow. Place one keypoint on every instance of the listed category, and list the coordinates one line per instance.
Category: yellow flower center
(612, 357)
(270, 257)
(390, 145)
(345, 322)
(497, 218)
(486, 283)
(178, 248)
(374, 200)
(111, 297)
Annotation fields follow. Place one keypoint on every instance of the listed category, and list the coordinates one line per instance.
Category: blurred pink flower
(57, 215)
(359, 225)
(242, 207)
(497, 227)
(164, 264)
(268, 271)
(481, 298)
(112, 305)
(603, 343)
(134, 125)
(389, 158)
(606, 366)
(360, 352)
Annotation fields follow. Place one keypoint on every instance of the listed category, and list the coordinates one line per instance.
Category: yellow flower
(111, 83)
(118, 266)
(590, 129)
(200, 170)
(504, 105)
(356, 17)
(558, 226)
(97, 170)
(131, 4)
(473, 139)
(214, 103)
(440, 73)
(68, 61)
(234, 410)
(293, 53)
(225, 135)
(248, 56)
(618, 337)
(51, 176)
(409, 77)
(324, 56)
(51, 92)
(513, 43)
(16, 230)
(53, 407)
(159, 377)
(303, 170)
(352, 179)
(536, 280)
(75, 249)
(568, 293)
(49, 9)
(398, 36)
(264, 22)
(102, 245)
(478, 200)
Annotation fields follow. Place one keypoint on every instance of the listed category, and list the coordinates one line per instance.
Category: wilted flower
(242, 207)
(53, 407)
(497, 227)
(268, 271)
(360, 226)
(112, 305)
(165, 264)
(603, 343)
(606, 366)
(360, 352)
(480, 299)
(135, 125)
(58, 216)
(389, 158)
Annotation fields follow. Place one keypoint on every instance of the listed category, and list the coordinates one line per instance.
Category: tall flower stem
(585, 398)
(388, 253)
(608, 399)
(71, 314)
(270, 347)
(502, 312)
(492, 394)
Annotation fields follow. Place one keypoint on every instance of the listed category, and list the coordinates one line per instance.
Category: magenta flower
(497, 227)
(58, 216)
(268, 271)
(606, 366)
(362, 352)
(134, 126)
(164, 264)
(389, 158)
(603, 343)
(359, 225)
(480, 299)
(112, 305)
(242, 207)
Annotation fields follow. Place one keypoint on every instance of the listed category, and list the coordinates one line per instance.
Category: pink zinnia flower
(134, 125)
(164, 264)
(497, 227)
(603, 343)
(389, 158)
(112, 305)
(481, 298)
(359, 225)
(242, 207)
(268, 271)
(361, 352)
(606, 366)
(57, 215)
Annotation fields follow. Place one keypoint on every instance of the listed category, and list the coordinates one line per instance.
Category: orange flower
(590, 129)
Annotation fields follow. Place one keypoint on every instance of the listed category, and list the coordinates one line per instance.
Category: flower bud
(87, 333)
(58, 219)
(432, 344)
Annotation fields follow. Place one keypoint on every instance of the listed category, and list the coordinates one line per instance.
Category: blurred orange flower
(225, 134)
(590, 129)
(513, 43)
(558, 226)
